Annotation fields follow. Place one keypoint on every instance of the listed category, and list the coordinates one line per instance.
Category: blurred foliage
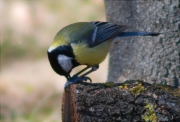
(27, 29)
(30, 26)
(11, 51)
(34, 110)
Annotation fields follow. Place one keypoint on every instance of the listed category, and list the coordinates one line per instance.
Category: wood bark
(132, 101)
(153, 59)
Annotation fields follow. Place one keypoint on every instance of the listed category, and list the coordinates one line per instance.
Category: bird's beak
(68, 77)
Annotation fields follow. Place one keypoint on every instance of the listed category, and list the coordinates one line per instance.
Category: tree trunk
(152, 59)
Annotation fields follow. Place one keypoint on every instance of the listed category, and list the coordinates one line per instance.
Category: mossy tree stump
(132, 101)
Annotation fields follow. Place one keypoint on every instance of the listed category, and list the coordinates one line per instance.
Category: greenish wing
(78, 32)
(91, 33)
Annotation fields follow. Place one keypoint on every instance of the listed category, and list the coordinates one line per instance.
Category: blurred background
(30, 91)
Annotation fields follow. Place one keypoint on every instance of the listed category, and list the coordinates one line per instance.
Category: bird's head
(60, 53)
(62, 60)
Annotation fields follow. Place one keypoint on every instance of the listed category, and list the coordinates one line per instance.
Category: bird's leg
(76, 79)
(81, 71)
(70, 79)
(94, 68)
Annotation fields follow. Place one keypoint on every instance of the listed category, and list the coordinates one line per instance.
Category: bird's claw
(81, 79)
(76, 79)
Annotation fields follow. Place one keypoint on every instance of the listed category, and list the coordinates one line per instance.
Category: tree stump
(132, 101)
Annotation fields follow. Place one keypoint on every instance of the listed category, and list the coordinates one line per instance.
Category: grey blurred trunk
(153, 59)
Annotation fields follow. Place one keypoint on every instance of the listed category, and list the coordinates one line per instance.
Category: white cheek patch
(65, 62)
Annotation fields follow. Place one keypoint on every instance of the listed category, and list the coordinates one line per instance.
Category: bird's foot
(76, 79)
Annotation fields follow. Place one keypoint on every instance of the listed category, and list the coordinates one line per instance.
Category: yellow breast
(91, 56)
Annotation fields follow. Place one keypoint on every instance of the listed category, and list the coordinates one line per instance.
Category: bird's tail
(127, 34)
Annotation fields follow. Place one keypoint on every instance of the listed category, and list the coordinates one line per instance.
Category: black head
(62, 60)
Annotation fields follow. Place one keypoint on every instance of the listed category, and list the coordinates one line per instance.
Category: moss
(150, 115)
(123, 86)
(109, 84)
(136, 88)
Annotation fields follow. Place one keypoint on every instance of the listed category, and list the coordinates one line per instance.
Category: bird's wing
(104, 31)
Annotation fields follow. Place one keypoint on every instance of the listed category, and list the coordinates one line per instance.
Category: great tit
(85, 43)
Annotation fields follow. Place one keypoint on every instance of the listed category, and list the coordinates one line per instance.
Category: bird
(85, 43)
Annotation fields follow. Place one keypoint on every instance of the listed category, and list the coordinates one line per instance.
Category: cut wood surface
(132, 101)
